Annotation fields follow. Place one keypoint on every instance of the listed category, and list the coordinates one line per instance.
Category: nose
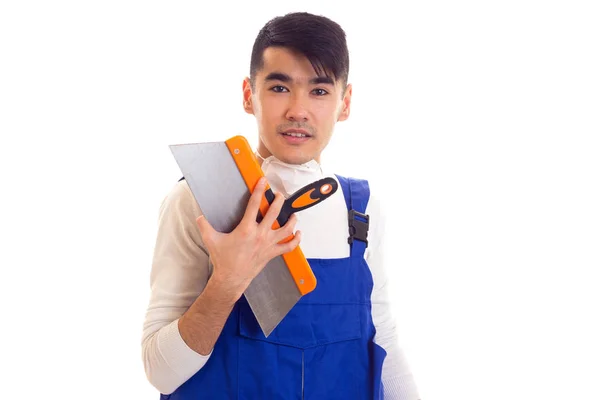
(297, 109)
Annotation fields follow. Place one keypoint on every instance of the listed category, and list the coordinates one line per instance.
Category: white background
(478, 122)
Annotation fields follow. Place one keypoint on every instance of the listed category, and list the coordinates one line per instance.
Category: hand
(240, 255)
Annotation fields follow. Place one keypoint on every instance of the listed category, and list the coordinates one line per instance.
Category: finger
(291, 245)
(273, 212)
(285, 233)
(254, 203)
(206, 230)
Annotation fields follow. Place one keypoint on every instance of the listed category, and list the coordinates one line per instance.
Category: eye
(278, 89)
(320, 92)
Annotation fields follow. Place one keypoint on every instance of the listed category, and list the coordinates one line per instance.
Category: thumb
(206, 229)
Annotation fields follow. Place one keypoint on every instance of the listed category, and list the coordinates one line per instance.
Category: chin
(290, 158)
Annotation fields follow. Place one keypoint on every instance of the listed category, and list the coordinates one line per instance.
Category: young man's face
(290, 100)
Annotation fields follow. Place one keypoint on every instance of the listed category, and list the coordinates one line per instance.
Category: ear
(345, 111)
(247, 92)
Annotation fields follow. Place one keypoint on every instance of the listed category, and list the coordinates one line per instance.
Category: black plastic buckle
(358, 228)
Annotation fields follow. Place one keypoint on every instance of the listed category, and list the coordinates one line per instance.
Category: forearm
(180, 272)
(397, 378)
(180, 348)
(201, 325)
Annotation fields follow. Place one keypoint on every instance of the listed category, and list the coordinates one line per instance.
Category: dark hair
(318, 38)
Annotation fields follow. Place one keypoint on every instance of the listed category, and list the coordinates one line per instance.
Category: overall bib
(322, 350)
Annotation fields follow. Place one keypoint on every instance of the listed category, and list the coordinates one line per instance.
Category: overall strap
(356, 192)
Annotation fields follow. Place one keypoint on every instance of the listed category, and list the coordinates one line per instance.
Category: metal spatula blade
(221, 193)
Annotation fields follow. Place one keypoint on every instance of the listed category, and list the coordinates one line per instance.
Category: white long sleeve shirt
(180, 271)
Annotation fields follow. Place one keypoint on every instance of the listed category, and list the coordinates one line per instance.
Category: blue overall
(323, 349)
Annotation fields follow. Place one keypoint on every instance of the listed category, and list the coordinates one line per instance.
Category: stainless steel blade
(215, 181)
(222, 195)
(272, 294)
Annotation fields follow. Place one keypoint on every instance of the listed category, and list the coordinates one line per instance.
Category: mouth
(295, 137)
(296, 133)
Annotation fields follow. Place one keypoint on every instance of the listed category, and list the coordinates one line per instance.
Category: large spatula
(222, 175)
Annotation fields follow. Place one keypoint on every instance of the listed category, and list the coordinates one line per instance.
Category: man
(199, 338)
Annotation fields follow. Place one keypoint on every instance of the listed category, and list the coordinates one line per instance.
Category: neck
(259, 158)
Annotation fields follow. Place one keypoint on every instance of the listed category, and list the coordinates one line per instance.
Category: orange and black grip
(270, 199)
(251, 173)
(310, 195)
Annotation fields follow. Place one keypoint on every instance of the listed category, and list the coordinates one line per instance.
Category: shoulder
(371, 192)
(365, 187)
(180, 198)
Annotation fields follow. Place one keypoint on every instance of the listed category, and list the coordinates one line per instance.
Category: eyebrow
(278, 76)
